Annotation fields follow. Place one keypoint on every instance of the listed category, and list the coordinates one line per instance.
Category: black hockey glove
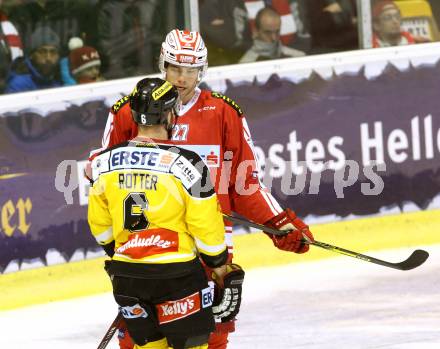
(109, 248)
(227, 293)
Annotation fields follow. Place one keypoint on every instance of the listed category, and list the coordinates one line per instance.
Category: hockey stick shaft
(417, 258)
(110, 332)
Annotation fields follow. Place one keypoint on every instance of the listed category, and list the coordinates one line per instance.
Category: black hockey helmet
(151, 100)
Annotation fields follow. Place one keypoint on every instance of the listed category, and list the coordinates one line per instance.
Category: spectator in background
(10, 46)
(333, 25)
(40, 69)
(386, 26)
(127, 31)
(67, 18)
(435, 8)
(83, 65)
(294, 30)
(267, 44)
(224, 25)
(288, 25)
(229, 25)
(303, 38)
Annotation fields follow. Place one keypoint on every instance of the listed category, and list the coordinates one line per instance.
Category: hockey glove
(109, 248)
(227, 293)
(296, 232)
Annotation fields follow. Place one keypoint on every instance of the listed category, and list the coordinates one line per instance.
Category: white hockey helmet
(186, 49)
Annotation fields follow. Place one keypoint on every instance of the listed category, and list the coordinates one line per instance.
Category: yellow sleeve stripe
(105, 237)
(209, 249)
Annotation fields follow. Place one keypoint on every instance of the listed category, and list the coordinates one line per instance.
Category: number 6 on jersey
(134, 206)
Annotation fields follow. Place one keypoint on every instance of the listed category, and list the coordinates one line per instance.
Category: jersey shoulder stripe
(192, 156)
(229, 101)
(192, 170)
(120, 103)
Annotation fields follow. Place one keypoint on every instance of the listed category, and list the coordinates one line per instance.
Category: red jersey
(213, 126)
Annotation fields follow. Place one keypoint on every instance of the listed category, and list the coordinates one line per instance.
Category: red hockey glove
(227, 293)
(296, 230)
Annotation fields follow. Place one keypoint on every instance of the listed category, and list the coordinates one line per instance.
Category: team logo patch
(185, 59)
(212, 159)
(159, 92)
(166, 159)
(209, 153)
(186, 172)
(207, 297)
(133, 157)
(179, 309)
(121, 333)
(206, 108)
(133, 312)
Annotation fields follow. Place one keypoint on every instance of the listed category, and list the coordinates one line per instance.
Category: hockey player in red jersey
(213, 126)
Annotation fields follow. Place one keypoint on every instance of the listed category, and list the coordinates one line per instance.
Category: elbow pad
(215, 261)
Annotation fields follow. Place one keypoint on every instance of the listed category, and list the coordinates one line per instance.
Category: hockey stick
(417, 258)
(110, 332)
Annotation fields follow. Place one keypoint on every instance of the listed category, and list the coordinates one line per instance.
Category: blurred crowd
(51, 43)
(249, 30)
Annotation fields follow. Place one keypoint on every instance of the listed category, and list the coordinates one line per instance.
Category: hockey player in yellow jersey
(153, 208)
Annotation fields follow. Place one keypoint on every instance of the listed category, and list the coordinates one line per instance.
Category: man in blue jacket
(40, 69)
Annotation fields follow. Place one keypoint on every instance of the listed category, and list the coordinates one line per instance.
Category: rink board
(375, 104)
(87, 277)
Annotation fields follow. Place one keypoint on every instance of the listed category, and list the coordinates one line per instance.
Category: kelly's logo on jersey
(179, 309)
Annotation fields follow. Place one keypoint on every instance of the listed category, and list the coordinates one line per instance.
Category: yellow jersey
(157, 203)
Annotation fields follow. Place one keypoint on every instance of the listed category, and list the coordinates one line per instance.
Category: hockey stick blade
(110, 332)
(417, 258)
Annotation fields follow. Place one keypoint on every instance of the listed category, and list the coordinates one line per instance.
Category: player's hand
(228, 282)
(296, 232)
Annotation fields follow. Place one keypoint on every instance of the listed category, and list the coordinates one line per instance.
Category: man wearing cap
(40, 69)
(386, 25)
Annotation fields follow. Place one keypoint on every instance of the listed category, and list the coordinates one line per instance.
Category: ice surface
(332, 304)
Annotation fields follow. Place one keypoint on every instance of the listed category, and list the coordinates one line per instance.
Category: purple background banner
(345, 114)
(322, 109)
(32, 146)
